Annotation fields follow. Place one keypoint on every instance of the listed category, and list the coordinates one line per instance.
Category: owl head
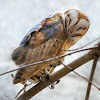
(76, 24)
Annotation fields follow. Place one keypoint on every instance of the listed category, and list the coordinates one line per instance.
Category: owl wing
(29, 34)
(50, 27)
(47, 23)
(43, 40)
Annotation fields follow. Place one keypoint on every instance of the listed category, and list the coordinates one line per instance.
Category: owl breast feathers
(47, 39)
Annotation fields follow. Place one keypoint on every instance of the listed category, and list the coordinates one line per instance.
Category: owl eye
(81, 27)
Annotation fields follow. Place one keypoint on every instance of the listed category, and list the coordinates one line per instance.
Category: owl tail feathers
(19, 55)
(16, 80)
(19, 78)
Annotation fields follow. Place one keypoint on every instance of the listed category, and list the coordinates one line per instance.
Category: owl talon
(51, 83)
(41, 79)
(12, 75)
(57, 82)
(51, 86)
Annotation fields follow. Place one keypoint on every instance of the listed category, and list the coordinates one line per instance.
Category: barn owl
(53, 34)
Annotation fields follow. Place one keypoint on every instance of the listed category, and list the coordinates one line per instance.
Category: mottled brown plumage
(47, 39)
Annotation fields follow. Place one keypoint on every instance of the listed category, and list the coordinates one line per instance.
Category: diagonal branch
(91, 77)
(77, 73)
(59, 74)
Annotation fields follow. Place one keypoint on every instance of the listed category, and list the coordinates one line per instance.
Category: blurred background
(17, 17)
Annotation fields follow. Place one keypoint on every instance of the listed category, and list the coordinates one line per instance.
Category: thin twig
(84, 45)
(91, 78)
(71, 69)
(81, 76)
(28, 65)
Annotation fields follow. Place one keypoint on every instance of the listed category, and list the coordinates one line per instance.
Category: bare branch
(91, 78)
(59, 74)
(80, 75)
(71, 69)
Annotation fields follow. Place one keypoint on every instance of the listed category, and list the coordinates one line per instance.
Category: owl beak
(70, 33)
(70, 30)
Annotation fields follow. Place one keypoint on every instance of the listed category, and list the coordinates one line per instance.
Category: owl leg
(51, 83)
(23, 89)
(25, 85)
(49, 79)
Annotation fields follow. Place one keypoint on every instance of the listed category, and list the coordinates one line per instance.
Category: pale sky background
(17, 17)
